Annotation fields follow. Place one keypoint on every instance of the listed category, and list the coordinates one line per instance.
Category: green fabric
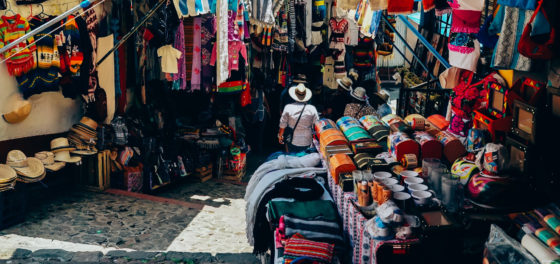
(303, 210)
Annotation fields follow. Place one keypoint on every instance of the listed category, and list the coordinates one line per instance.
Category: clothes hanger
(9, 9)
(42, 14)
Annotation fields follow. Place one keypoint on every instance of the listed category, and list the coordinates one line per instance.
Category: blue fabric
(384, 110)
(232, 5)
(523, 4)
(375, 19)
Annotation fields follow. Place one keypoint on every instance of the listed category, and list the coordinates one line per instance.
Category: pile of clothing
(290, 212)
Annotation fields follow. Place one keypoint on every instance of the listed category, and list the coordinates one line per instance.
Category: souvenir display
(452, 147)
(367, 156)
(430, 147)
(399, 144)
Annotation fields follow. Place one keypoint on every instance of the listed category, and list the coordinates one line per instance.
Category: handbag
(289, 132)
(531, 49)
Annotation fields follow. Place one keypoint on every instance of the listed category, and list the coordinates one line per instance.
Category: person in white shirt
(302, 136)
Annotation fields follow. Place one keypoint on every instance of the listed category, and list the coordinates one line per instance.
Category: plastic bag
(502, 249)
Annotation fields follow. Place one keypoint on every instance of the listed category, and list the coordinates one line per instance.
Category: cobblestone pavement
(214, 234)
(120, 256)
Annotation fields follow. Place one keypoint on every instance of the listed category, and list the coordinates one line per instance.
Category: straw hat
(345, 83)
(7, 175)
(27, 168)
(47, 158)
(300, 93)
(17, 110)
(16, 159)
(61, 149)
(35, 171)
(359, 93)
(382, 95)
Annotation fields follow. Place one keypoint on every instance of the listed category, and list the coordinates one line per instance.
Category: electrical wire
(56, 29)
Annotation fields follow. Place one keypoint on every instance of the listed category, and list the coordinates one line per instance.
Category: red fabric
(400, 7)
(246, 96)
(466, 21)
(188, 26)
(300, 247)
(428, 5)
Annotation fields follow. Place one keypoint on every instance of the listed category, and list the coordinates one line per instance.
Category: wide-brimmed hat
(345, 83)
(28, 169)
(35, 171)
(359, 93)
(300, 93)
(8, 178)
(47, 158)
(16, 158)
(61, 149)
(382, 95)
(7, 174)
(16, 110)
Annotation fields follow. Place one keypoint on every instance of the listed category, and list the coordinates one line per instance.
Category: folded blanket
(305, 210)
(314, 229)
(300, 247)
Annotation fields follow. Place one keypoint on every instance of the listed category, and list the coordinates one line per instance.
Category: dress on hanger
(339, 27)
(11, 29)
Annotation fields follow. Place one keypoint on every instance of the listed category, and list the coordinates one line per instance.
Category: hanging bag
(531, 49)
(289, 132)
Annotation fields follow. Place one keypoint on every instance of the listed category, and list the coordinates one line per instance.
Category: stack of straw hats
(83, 136)
(28, 169)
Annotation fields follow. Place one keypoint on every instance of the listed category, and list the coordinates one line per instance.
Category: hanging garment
(222, 71)
(364, 54)
(352, 34)
(44, 75)
(169, 57)
(308, 21)
(188, 25)
(11, 29)
(280, 40)
(371, 23)
(207, 43)
(400, 7)
(92, 28)
(197, 52)
(107, 70)
(466, 21)
(317, 32)
(338, 30)
(179, 79)
(262, 11)
(464, 51)
(510, 22)
(235, 48)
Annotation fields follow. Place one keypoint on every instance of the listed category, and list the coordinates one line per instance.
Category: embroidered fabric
(222, 72)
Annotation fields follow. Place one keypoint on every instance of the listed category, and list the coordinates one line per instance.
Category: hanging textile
(222, 71)
(188, 26)
(523, 4)
(197, 60)
(510, 22)
(262, 11)
(207, 42)
(179, 79)
(308, 21)
(347, 4)
(11, 29)
(92, 28)
(352, 35)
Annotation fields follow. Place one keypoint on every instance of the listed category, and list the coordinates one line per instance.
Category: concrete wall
(51, 112)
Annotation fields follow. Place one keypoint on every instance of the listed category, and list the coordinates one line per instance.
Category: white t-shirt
(169, 57)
